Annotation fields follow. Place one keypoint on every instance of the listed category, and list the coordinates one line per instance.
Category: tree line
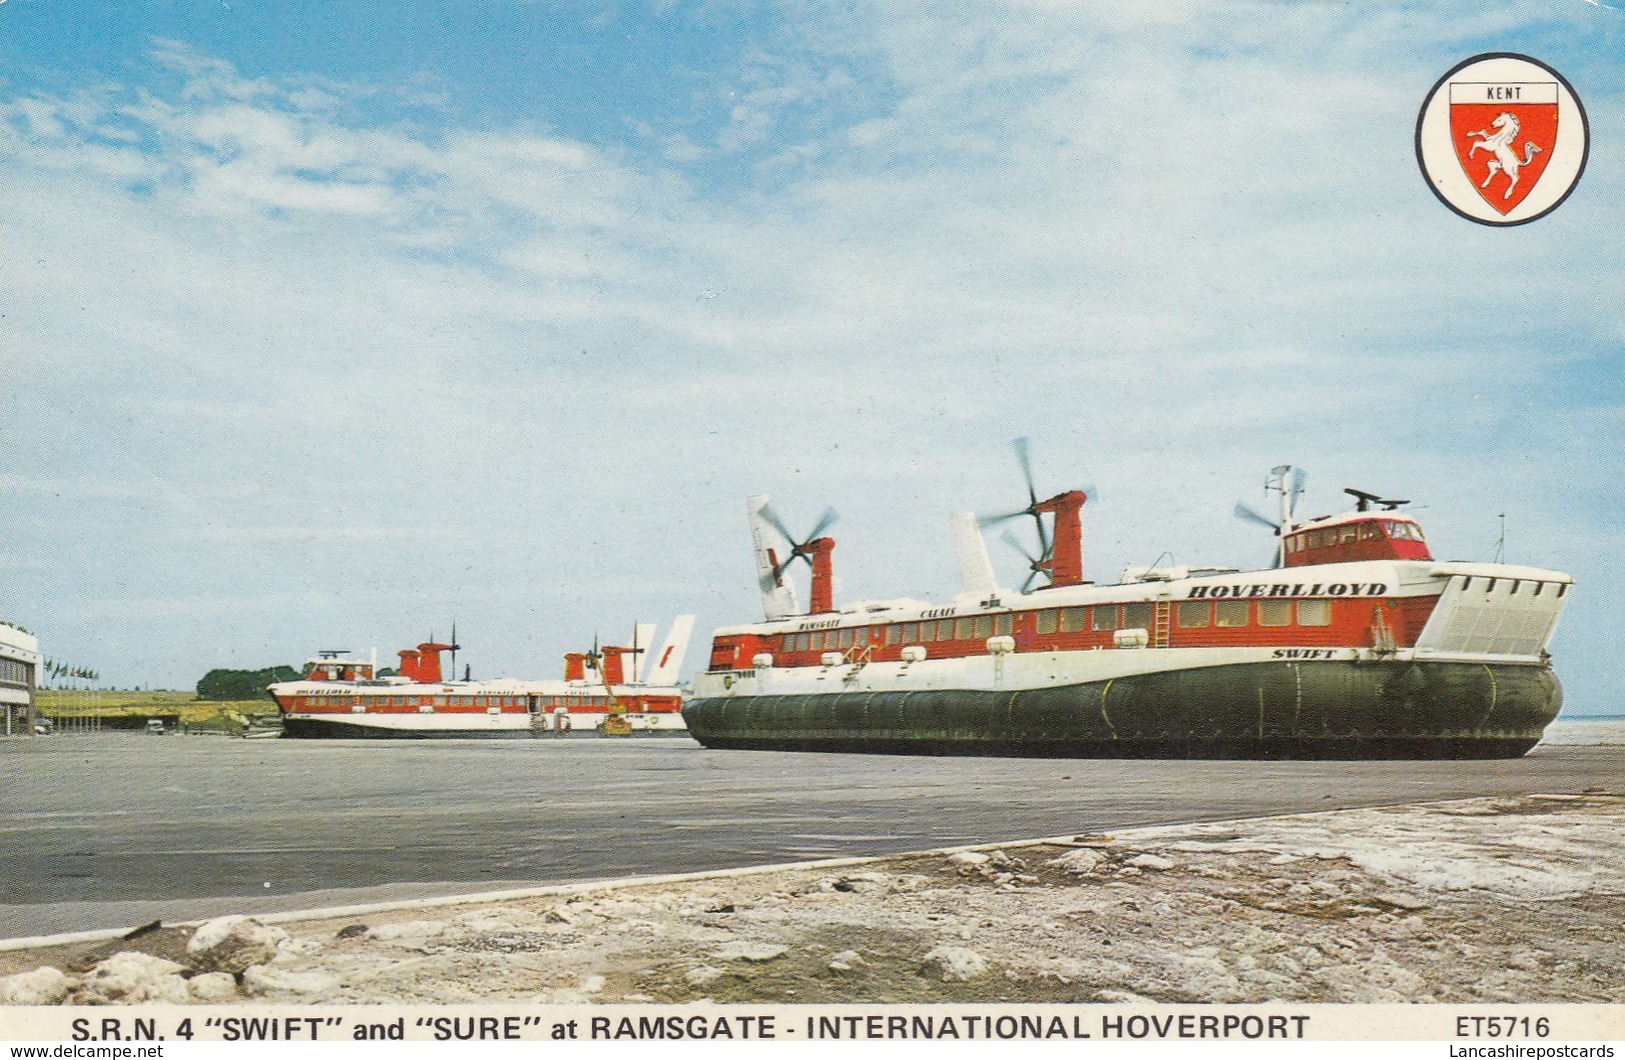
(242, 684)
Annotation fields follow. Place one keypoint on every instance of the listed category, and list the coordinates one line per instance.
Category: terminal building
(19, 671)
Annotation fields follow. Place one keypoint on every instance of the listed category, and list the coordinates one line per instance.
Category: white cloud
(1175, 245)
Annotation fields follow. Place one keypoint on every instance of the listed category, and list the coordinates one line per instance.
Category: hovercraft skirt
(1272, 710)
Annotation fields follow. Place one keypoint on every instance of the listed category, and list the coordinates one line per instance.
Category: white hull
(476, 726)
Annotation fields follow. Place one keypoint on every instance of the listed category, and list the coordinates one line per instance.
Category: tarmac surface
(1499, 900)
(113, 830)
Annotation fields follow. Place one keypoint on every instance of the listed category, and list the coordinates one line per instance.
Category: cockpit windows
(1372, 530)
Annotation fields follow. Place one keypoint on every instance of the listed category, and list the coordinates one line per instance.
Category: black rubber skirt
(1322, 709)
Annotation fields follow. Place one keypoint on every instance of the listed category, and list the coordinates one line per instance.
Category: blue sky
(330, 324)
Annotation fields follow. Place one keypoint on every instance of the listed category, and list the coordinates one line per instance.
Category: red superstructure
(1065, 562)
(422, 664)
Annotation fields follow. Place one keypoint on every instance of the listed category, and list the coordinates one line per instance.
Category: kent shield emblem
(1504, 134)
(1502, 139)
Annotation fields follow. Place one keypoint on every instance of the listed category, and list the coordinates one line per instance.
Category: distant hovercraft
(607, 691)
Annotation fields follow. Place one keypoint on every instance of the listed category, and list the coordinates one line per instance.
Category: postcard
(997, 523)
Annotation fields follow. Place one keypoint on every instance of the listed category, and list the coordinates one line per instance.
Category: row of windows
(1199, 614)
(323, 699)
(1101, 618)
(968, 627)
(13, 672)
(1342, 535)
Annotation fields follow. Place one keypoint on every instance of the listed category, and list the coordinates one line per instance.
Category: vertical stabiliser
(970, 550)
(665, 664)
(778, 592)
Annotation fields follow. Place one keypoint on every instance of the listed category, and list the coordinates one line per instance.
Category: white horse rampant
(1499, 144)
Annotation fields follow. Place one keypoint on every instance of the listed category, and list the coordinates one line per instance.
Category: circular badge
(1502, 139)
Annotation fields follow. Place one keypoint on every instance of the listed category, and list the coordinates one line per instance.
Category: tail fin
(778, 592)
(666, 665)
(975, 568)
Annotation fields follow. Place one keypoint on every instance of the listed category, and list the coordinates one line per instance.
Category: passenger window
(1074, 619)
(894, 634)
(1136, 616)
(1004, 625)
(1194, 614)
(1230, 613)
(845, 640)
(963, 628)
(928, 632)
(984, 627)
(1105, 617)
(1046, 621)
(1314, 612)
(1275, 612)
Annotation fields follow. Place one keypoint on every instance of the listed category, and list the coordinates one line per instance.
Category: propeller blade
(1295, 489)
(1251, 516)
(1045, 546)
(774, 521)
(825, 521)
(1091, 493)
(1002, 517)
(778, 572)
(1010, 539)
(1024, 458)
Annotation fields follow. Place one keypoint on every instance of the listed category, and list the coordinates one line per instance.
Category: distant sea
(1608, 729)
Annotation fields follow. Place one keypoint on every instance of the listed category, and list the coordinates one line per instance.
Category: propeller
(1295, 487)
(1035, 564)
(1252, 515)
(798, 549)
(1288, 482)
(1022, 447)
(1046, 547)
